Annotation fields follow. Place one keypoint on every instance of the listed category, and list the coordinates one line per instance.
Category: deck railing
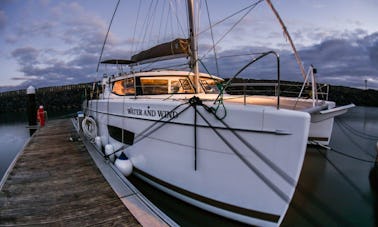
(277, 87)
(271, 89)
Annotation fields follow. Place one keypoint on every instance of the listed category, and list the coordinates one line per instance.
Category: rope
(352, 157)
(212, 38)
(287, 178)
(141, 135)
(349, 181)
(232, 27)
(89, 127)
(354, 142)
(106, 36)
(134, 31)
(267, 161)
(355, 131)
(230, 16)
(265, 179)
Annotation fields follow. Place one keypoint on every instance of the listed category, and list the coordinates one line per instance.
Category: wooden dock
(55, 182)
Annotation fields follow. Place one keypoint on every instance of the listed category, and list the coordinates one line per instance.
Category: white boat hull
(220, 173)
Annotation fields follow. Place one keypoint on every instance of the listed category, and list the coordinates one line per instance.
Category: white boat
(233, 155)
(322, 111)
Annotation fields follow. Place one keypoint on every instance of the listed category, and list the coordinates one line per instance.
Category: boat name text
(152, 113)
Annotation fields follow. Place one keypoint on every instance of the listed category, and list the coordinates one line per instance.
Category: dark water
(335, 189)
(14, 133)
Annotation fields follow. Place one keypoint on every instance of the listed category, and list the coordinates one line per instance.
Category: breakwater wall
(52, 98)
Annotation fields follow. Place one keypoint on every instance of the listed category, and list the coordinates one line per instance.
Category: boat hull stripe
(212, 202)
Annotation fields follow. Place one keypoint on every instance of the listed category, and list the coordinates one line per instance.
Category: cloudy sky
(52, 42)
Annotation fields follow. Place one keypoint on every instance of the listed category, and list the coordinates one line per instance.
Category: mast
(297, 58)
(193, 45)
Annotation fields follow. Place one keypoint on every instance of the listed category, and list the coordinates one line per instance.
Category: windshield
(210, 86)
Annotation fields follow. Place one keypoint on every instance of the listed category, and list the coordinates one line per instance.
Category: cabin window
(209, 86)
(121, 135)
(181, 86)
(154, 86)
(124, 87)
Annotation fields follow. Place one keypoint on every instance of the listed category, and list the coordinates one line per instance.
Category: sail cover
(169, 50)
(117, 62)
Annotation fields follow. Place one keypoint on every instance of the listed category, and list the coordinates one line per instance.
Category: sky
(52, 42)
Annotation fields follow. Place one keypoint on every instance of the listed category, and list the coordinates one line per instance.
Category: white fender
(98, 142)
(109, 151)
(124, 165)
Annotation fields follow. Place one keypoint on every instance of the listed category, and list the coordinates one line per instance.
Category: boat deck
(54, 181)
(285, 103)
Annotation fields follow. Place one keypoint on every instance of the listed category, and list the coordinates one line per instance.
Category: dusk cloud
(63, 44)
(26, 55)
(345, 61)
(3, 20)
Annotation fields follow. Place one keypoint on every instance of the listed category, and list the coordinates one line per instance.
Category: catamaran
(238, 156)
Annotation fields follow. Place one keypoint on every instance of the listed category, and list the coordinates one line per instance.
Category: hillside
(52, 98)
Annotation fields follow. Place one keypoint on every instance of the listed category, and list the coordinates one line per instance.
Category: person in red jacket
(41, 116)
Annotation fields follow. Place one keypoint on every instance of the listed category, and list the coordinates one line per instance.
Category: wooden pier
(54, 181)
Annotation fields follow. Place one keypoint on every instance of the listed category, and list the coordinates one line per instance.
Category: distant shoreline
(71, 96)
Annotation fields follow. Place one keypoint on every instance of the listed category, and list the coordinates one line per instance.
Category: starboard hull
(247, 172)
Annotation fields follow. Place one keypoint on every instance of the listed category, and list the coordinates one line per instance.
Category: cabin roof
(162, 73)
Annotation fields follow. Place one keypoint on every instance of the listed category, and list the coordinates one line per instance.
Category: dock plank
(55, 182)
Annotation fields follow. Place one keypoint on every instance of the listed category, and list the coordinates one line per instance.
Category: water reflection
(373, 180)
(323, 196)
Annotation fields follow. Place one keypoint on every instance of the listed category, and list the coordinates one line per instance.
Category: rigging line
(161, 22)
(195, 137)
(152, 22)
(169, 22)
(265, 159)
(354, 142)
(148, 21)
(212, 38)
(345, 177)
(106, 36)
(176, 66)
(177, 18)
(232, 27)
(320, 204)
(239, 55)
(207, 71)
(143, 29)
(108, 116)
(266, 180)
(187, 21)
(352, 157)
(286, 33)
(133, 48)
(230, 16)
(357, 132)
(145, 132)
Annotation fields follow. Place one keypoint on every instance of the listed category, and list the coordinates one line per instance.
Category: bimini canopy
(170, 50)
(117, 62)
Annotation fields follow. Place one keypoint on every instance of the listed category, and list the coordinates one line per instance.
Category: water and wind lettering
(151, 113)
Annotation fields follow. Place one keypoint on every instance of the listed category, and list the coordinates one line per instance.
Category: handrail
(246, 66)
(311, 73)
(244, 87)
